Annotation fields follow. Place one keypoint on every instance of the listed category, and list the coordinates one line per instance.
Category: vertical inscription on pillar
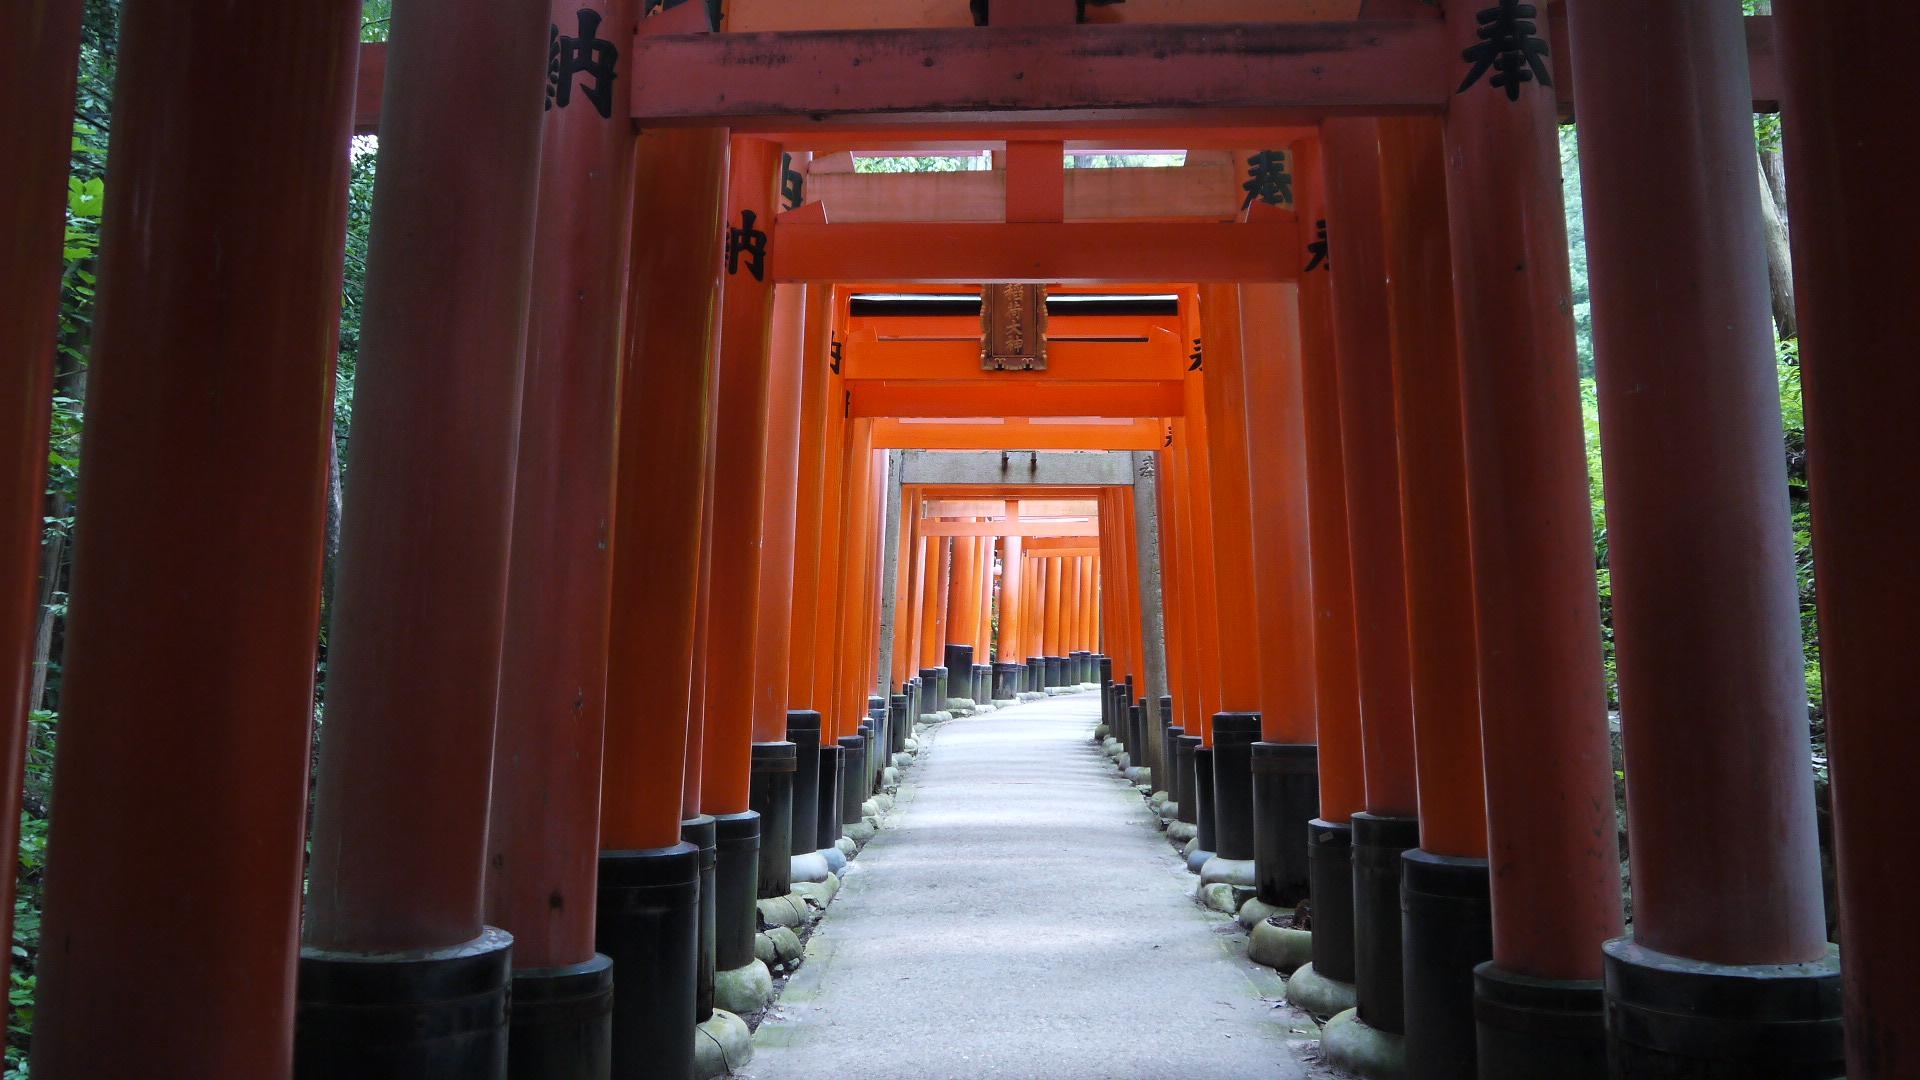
(748, 243)
(1013, 328)
(1268, 180)
(793, 185)
(575, 55)
(1510, 46)
(1317, 251)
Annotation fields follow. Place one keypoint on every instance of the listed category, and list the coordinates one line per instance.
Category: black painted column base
(1234, 734)
(898, 725)
(929, 688)
(1036, 674)
(1183, 749)
(1205, 834)
(1670, 1016)
(803, 730)
(853, 765)
(1378, 843)
(1446, 930)
(1528, 1027)
(1330, 877)
(771, 796)
(1005, 680)
(702, 834)
(648, 922)
(939, 689)
(405, 1016)
(1286, 793)
(826, 836)
(736, 888)
(1056, 671)
(562, 1022)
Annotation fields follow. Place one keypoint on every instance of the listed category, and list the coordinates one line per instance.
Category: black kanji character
(587, 54)
(1318, 249)
(833, 356)
(749, 241)
(1194, 356)
(1509, 46)
(793, 186)
(1268, 180)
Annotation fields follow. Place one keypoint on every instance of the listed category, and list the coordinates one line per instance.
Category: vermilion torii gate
(626, 512)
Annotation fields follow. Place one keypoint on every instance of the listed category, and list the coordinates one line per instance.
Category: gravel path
(1020, 916)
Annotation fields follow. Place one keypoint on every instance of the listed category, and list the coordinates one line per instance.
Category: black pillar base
(1378, 843)
(939, 689)
(1036, 674)
(898, 724)
(405, 1016)
(736, 878)
(1056, 671)
(1234, 734)
(1006, 680)
(701, 833)
(827, 831)
(1136, 727)
(1205, 831)
(803, 730)
(959, 669)
(1446, 930)
(771, 796)
(1169, 777)
(982, 684)
(1528, 1028)
(1330, 874)
(1286, 792)
(648, 922)
(853, 766)
(929, 687)
(1188, 796)
(1670, 1016)
(562, 1023)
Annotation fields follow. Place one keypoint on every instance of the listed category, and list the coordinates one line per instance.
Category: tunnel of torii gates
(684, 483)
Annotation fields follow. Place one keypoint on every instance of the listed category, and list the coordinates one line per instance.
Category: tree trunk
(1773, 209)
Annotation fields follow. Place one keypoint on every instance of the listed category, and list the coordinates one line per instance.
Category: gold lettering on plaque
(1013, 328)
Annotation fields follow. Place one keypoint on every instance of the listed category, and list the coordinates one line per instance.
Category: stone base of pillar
(1282, 948)
(648, 922)
(1446, 930)
(721, 1044)
(1286, 795)
(1197, 856)
(1378, 843)
(1670, 1016)
(736, 888)
(701, 833)
(1528, 1027)
(435, 1016)
(771, 796)
(1221, 870)
(1330, 874)
(562, 1023)
(809, 867)
(1311, 992)
(746, 989)
(1352, 1044)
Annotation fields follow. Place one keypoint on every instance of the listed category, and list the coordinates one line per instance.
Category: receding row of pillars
(472, 523)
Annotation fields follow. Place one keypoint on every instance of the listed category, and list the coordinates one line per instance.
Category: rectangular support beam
(1037, 396)
(1274, 72)
(1206, 192)
(1019, 433)
(1162, 358)
(992, 468)
(1084, 527)
(970, 252)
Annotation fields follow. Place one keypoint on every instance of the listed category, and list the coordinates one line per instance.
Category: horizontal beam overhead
(1162, 358)
(1208, 192)
(993, 469)
(1010, 528)
(1273, 72)
(971, 252)
(1020, 393)
(1018, 433)
(999, 508)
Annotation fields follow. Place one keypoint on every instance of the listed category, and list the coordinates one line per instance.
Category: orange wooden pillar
(400, 812)
(649, 878)
(963, 615)
(697, 828)
(817, 395)
(1197, 512)
(1184, 675)
(732, 571)
(189, 656)
(1852, 244)
(906, 617)
(1389, 825)
(929, 604)
(1055, 611)
(1327, 982)
(1447, 922)
(543, 837)
(795, 338)
(1550, 819)
(1237, 725)
(1285, 793)
(42, 46)
(1012, 606)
